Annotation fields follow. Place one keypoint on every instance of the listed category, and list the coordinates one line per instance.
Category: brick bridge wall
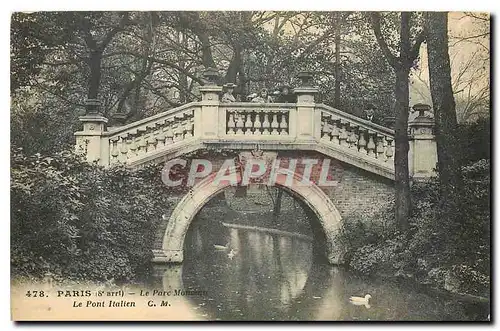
(357, 195)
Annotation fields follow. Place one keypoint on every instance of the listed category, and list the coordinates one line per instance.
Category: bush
(436, 249)
(79, 220)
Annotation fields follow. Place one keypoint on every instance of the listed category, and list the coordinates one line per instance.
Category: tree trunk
(95, 74)
(206, 51)
(234, 66)
(402, 176)
(443, 104)
(401, 65)
(336, 101)
(242, 82)
(183, 81)
(403, 201)
(277, 204)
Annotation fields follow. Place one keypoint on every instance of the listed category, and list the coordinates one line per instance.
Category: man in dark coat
(286, 95)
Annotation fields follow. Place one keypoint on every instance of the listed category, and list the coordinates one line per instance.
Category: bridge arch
(185, 211)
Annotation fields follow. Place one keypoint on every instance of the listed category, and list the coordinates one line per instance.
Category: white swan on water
(231, 254)
(221, 248)
(358, 301)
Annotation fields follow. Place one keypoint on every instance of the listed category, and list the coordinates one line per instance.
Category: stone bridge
(363, 153)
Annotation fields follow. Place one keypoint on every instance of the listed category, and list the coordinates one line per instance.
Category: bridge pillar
(206, 118)
(423, 148)
(306, 121)
(89, 140)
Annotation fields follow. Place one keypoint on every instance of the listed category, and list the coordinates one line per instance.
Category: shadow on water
(255, 275)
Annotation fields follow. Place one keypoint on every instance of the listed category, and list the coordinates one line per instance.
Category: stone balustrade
(128, 144)
(253, 120)
(150, 137)
(356, 135)
(304, 125)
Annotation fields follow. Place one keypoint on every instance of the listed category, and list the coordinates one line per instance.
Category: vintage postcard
(250, 166)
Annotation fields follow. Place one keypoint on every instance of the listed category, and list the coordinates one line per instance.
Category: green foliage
(436, 249)
(154, 60)
(41, 123)
(475, 139)
(33, 37)
(81, 221)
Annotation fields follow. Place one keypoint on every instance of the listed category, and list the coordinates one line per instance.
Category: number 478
(35, 294)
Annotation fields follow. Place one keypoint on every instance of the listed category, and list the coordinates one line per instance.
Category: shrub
(436, 248)
(79, 220)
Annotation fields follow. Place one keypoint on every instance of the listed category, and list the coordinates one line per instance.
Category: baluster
(371, 144)
(145, 136)
(132, 147)
(356, 138)
(123, 148)
(138, 141)
(335, 132)
(160, 138)
(151, 144)
(380, 146)
(156, 134)
(169, 135)
(188, 128)
(389, 151)
(150, 140)
(266, 124)
(343, 133)
(283, 123)
(178, 131)
(257, 125)
(362, 140)
(141, 144)
(114, 149)
(325, 129)
(248, 124)
(275, 125)
(191, 120)
(230, 124)
(239, 123)
(352, 139)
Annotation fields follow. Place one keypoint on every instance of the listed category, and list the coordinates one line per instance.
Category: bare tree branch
(110, 35)
(415, 50)
(391, 58)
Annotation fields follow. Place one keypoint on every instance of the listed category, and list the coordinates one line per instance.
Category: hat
(229, 85)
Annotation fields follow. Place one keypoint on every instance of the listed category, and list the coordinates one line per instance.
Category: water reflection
(275, 277)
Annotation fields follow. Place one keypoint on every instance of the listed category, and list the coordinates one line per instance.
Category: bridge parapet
(304, 125)
(356, 136)
(129, 144)
(255, 121)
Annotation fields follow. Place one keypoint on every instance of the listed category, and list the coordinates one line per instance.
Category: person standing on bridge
(369, 112)
(286, 95)
(228, 95)
(263, 97)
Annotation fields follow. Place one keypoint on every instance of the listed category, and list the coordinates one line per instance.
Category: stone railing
(255, 121)
(356, 136)
(304, 125)
(130, 143)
